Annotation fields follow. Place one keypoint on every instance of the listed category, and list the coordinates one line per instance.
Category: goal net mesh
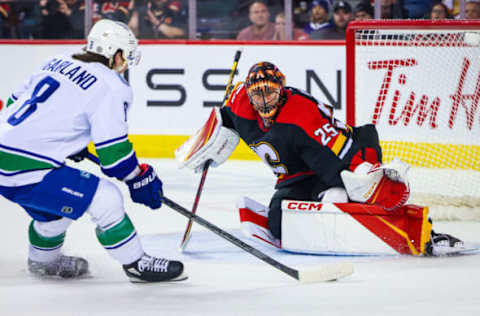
(421, 87)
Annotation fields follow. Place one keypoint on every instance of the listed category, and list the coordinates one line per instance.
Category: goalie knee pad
(333, 195)
(106, 208)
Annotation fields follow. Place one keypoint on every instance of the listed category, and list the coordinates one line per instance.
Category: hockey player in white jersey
(68, 102)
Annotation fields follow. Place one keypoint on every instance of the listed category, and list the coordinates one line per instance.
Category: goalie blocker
(211, 142)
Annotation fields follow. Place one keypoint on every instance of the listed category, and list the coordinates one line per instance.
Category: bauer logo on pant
(67, 209)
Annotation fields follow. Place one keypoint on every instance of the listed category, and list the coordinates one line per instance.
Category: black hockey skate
(443, 245)
(151, 269)
(66, 267)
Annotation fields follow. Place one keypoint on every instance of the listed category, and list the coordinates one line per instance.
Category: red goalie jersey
(305, 141)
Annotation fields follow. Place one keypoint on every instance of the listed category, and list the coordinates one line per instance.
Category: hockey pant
(64, 195)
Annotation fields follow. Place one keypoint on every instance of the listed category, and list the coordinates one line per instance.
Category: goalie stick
(188, 234)
(188, 229)
(330, 272)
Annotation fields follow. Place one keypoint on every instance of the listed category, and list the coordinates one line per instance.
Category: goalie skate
(444, 245)
(150, 269)
(66, 267)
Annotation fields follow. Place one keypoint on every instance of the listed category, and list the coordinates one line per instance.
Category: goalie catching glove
(384, 185)
(212, 142)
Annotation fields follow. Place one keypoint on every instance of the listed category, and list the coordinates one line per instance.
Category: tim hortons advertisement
(429, 93)
(175, 85)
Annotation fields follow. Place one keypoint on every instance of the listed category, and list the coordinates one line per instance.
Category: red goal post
(418, 81)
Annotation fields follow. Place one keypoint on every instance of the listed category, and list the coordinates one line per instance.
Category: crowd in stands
(216, 19)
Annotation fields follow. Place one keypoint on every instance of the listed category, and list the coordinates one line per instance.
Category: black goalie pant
(305, 190)
(365, 137)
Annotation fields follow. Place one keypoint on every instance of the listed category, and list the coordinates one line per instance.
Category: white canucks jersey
(57, 112)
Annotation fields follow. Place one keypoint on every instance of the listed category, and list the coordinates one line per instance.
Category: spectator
(112, 10)
(261, 28)
(3, 19)
(453, 7)
(439, 11)
(319, 17)
(298, 34)
(363, 11)
(300, 13)
(74, 10)
(54, 22)
(415, 9)
(391, 9)
(342, 15)
(157, 19)
(472, 10)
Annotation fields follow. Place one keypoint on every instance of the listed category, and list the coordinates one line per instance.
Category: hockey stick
(187, 234)
(188, 230)
(326, 273)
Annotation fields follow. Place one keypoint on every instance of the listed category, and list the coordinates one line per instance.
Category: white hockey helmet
(107, 36)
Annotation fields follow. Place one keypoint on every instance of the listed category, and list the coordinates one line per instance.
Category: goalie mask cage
(418, 81)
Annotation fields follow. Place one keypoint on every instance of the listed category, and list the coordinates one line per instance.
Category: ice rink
(223, 279)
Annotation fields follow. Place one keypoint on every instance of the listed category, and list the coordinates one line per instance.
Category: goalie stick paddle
(329, 272)
(188, 230)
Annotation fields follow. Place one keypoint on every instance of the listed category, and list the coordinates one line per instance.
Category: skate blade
(456, 252)
(181, 277)
(83, 276)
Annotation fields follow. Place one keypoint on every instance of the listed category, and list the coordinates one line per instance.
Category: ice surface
(224, 280)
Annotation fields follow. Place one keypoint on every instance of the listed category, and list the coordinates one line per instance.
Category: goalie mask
(264, 85)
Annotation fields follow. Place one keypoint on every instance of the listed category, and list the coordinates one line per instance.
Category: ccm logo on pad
(304, 206)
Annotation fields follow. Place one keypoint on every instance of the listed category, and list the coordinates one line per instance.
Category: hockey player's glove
(79, 156)
(384, 185)
(146, 188)
(212, 142)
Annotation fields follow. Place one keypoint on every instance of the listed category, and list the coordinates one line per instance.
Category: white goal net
(419, 83)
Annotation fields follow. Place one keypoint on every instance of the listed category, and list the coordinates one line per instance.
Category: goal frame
(464, 206)
(387, 25)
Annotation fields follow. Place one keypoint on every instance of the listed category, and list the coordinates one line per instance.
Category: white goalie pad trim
(212, 142)
(322, 228)
(253, 222)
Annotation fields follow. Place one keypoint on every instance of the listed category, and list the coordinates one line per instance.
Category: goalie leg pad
(322, 228)
(405, 229)
(353, 228)
(254, 221)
